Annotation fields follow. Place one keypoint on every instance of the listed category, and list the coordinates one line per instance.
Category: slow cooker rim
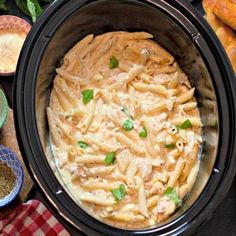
(15, 93)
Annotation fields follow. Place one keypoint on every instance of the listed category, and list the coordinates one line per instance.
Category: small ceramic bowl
(12, 31)
(7, 156)
(3, 108)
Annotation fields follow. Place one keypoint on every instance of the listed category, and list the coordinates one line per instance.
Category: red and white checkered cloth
(31, 218)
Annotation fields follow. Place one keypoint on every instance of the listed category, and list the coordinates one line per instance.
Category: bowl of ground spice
(11, 176)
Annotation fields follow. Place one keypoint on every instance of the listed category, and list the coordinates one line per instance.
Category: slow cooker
(178, 28)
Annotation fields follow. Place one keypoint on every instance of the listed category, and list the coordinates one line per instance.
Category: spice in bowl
(11, 176)
(7, 180)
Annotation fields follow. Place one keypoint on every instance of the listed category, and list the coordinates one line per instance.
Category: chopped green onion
(87, 96)
(170, 146)
(113, 62)
(82, 144)
(172, 194)
(128, 125)
(185, 125)
(110, 158)
(119, 193)
(143, 133)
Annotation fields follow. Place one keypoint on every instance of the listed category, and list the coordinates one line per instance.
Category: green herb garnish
(31, 8)
(23, 7)
(110, 158)
(119, 193)
(34, 9)
(185, 125)
(172, 194)
(2, 5)
(113, 62)
(87, 96)
(170, 146)
(82, 144)
(128, 125)
(143, 133)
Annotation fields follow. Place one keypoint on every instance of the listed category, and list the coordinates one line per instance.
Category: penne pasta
(96, 200)
(127, 78)
(101, 170)
(61, 87)
(189, 106)
(190, 161)
(153, 152)
(104, 146)
(129, 143)
(72, 54)
(184, 189)
(142, 198)
(130, 174)
(176, 174)
(154, 108)
(152, 201)
(125, 129)
(90, 159)
(155, 88)
(92, 185)
(145, 77)
(126, 217)
(186, 96)
(87, 119)
(175, 81)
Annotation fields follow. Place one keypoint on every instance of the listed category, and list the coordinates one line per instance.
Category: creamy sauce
(125, 129)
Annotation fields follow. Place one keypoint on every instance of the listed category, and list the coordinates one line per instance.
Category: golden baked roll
(213, 21)
(225, 10)
(208, 5)
(224, 33)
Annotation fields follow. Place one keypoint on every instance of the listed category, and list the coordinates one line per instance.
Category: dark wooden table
(222, 222)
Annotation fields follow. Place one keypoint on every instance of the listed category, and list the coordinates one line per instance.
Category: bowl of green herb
(3, 108)
(11, 176)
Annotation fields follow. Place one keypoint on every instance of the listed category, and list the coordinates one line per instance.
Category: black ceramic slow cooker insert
(178, 28)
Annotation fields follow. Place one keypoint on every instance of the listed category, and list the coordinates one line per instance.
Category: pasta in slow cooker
(124, 129)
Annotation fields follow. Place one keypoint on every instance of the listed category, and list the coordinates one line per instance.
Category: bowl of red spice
(11, 176)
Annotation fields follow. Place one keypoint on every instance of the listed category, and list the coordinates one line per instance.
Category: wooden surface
(8, 139)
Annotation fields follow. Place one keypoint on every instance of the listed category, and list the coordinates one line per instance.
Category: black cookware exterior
(223, 80)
